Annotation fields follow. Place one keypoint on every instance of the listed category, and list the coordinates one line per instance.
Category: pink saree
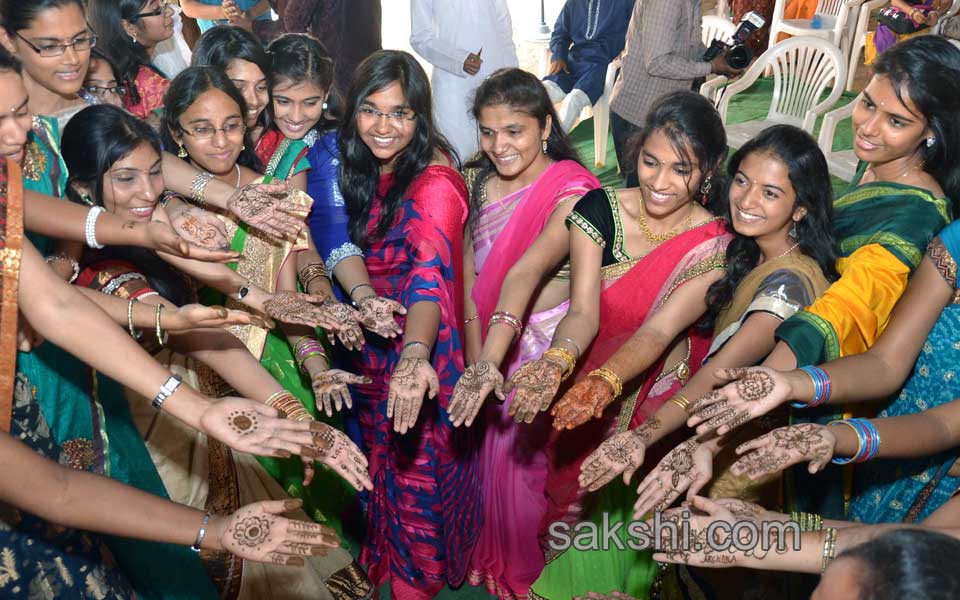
(507, 558)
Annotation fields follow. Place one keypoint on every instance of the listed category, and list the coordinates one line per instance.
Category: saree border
(11, 191)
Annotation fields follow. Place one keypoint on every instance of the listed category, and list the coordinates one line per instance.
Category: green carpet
(753, 103)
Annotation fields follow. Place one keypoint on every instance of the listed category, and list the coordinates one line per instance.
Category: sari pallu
(632, 291)
(908, 490)
(150, 85)
(507, 557)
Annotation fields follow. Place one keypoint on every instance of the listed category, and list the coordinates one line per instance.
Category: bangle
(416, 343)
(90, 228)
(506, 318)
(829, 548)
(202, 533)
(807, 521)
(680, 400)
(166, 390)
(611, 378)
(289, 406)
(73, 264)
(572, 341)
(305, 348)
(133, 332)
(821, 387)
(471, 319)
(198, 188)
(161, 336)
(357, 287)
(868, 440)
(562, 357)
(311, 272)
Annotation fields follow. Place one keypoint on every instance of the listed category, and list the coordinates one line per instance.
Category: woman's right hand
(536, 383)
(753, 392)
(299, 309)
(257, 532)
(198, 316)
(199, 227)
(255, 428)
(265, 207)
(476, 383)
(784, 447)
(622, 453)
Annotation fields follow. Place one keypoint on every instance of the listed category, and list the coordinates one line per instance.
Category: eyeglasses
(98, 91)
(396, 118)
(80, 45)
(206, 133)
(164, 5)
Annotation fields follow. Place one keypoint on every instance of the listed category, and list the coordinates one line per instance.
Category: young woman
(903, 130)
(123, 175)
(101, 81)
(407, 206)
(128, 32)
(643, 260)
(522, 188)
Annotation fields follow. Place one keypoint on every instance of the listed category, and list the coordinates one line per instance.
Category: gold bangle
(829, 548)
(289, 405)
(610, 377)
(564, 358)
(161, 336)
(680, 400)
(311, 272)
(471, 319)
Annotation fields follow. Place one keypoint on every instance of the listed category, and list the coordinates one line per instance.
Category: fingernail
(292, 503)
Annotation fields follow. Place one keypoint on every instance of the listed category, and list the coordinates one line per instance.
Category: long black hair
(126, 55)
(810, 178)
(18, 14)
(223, 44)
(93, 141)
(522, 92)
(927, 68)
(686, 118)
(919, 564)
(359, 168)
(184, 90)
(9, 62)
(299, 57)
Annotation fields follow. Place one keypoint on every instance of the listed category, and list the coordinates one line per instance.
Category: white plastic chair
(954, 9)
(859, 40)
(803, 68)
(601, 116)
(833, 22)
(843, 163)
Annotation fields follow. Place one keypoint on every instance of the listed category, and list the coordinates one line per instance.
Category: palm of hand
(476, 383)
(536, 383)
(584, 400)
(622, 453)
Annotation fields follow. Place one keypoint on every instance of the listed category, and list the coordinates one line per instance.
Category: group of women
(267, 273)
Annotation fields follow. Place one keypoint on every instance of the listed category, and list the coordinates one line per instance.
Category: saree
(151, 85)
(633, 288)
(89, 417)
(883, 37)
(908, 490)
(423, 515)
(507, 558)
(281, 155)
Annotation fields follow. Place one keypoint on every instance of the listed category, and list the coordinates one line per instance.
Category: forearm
(261, 8)
(228, 357)
(515, 293)
(423, 323)
(198, 10)
(65, 220)
(351, 273)
(908, 436)
(578, 326)
(638, 354)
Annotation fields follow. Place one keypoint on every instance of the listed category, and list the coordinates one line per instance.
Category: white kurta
(445, 32)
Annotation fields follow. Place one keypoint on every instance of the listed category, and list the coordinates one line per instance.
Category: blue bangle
(860, 441)
(821, 387)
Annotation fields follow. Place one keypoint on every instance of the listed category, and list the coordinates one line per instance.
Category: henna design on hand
(784, 447)
(755, 385)
(376, 314)
(585, 400)
(680, 461)
(243, 422)
(252, 531)
(476, 383)
(536, 383)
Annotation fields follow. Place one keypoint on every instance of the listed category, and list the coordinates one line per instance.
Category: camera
(739, 54)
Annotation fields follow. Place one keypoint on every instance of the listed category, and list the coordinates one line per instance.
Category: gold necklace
(788, 251)
(658, 238)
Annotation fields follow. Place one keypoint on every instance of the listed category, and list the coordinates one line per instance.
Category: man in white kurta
(465, 41)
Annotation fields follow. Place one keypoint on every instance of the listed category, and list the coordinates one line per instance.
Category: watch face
(242, 292)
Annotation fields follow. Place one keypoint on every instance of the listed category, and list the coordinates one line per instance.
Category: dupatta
(526, 223)
(11, 247)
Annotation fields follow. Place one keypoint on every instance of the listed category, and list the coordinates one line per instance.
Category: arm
(425, 41)
(659, 48)
(198, 10)
(472, 331)
(560, 38)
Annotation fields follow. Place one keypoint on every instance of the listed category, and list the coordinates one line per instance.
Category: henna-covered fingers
(536, 383)
(376, 314)
(476, 383)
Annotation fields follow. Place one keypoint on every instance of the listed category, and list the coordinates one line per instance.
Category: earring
(324, 107)
(705, 191)
(793, 230)
(133, 37)
(85, 197)
(242, 148)
(544, 146)
(182, 153)
(931, 141)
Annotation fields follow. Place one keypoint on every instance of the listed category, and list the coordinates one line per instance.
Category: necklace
(237, 165)
(786, 252)
(657, 238)
(900, 176)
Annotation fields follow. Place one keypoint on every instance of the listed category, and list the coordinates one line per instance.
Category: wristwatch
(242, 292)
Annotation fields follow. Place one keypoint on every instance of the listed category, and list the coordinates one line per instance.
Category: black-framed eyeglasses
(97, 90)
(80, 45)
(164, 5)
(205, 133)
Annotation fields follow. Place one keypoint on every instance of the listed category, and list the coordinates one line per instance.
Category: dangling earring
(325, 106)
(543, 145)
(85, 197)
(931, 141)
(705, 191)
(793, 230)
(133, 37)
(182, 153)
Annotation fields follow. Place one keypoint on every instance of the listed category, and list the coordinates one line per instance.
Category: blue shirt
(206, 24)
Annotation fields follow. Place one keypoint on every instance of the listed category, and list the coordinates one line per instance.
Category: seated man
(588, 35)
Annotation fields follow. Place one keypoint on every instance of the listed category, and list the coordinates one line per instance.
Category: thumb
(434, 385)
(628, 475)
(730, 374)
(498, 390)
(278, 507)
(696, 486)
(398, 308)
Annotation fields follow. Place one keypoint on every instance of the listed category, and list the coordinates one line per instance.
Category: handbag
(898, 21)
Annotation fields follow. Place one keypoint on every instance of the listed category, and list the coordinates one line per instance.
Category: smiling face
(884, 128)
(387, 134)
(14, 116)
(211, 130)
(152, 30)
(512, 140)
(762, 198)
(667, 180)
(64, 74)
(133, 184)
(101, 80)
(252, 83)
(297, 107)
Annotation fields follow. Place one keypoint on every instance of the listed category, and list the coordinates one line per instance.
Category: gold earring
(183, 151)
(133, 37)
(544, 146)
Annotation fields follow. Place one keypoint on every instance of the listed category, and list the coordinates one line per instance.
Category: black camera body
(739, 54)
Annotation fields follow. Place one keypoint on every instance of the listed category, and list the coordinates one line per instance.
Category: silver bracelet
(572, 341)
(166, 390)
(73, 264)
(202, 533)
(90, 229)
(198, 188)
(416, 343)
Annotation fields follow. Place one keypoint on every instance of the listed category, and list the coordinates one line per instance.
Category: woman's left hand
(255, 428)
(585, 400)
(376, 314)
(410, 380)
(199, 227)
(162, 237)
(331, 391)
(686, 468)
(348, 328)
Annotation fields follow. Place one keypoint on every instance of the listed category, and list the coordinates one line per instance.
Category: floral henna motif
(250, 203)
(471, 390)
(645, 431)
(786, 446)
(243, 422)
(755, 385)
(348, 330)
(679, 463)
(536, 383)
(376, 314)
(252, 531)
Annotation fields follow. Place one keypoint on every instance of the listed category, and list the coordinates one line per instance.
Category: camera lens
(739, 57)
